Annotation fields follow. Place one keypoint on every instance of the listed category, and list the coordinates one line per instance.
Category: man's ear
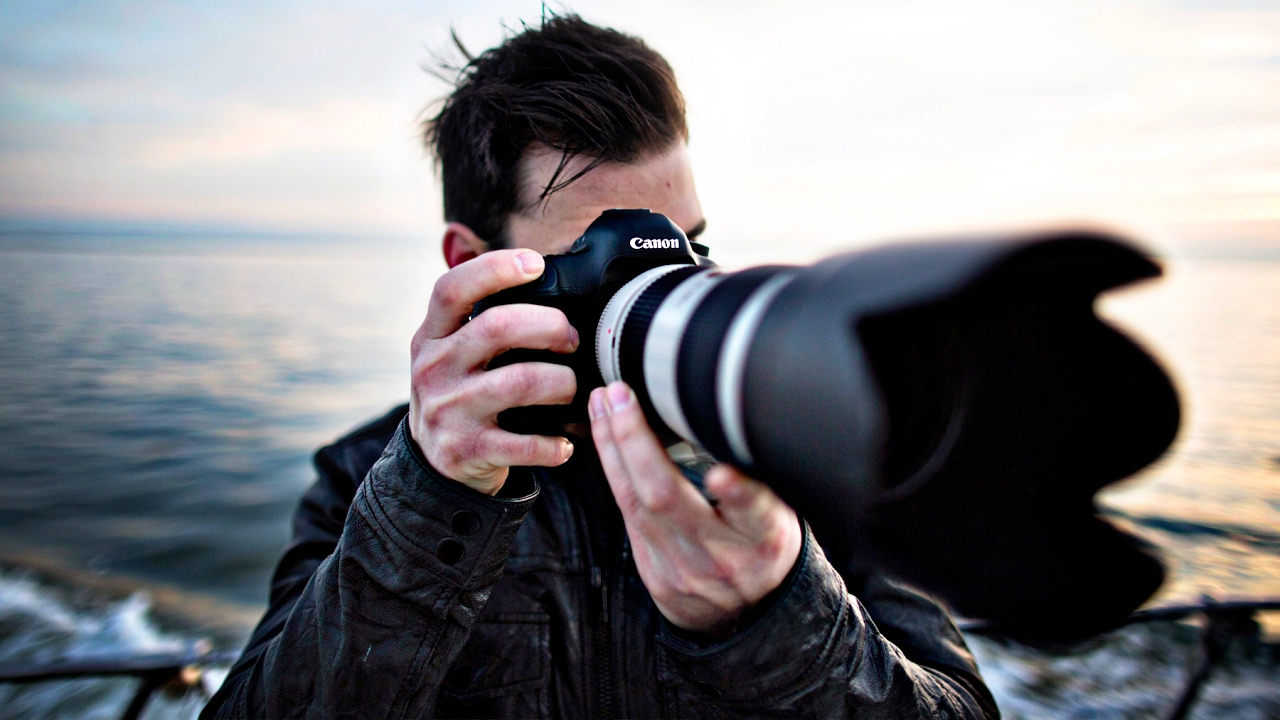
(460, 244)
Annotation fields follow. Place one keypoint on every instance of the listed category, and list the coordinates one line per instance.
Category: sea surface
(160, 398)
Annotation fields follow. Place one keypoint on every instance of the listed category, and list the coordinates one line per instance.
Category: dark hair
(577, 88)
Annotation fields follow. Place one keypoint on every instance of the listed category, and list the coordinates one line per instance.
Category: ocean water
(160, 399)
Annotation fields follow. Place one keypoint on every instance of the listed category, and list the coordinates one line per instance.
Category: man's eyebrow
(696, 230)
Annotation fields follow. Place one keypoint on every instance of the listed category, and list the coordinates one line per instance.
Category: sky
(812, 125)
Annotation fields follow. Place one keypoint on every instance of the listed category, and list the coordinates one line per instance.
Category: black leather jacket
(404, 594)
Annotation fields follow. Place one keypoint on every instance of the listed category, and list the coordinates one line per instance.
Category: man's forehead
(661, 181)
(540, 163)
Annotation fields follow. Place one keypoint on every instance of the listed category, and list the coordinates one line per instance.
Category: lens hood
(947, 411)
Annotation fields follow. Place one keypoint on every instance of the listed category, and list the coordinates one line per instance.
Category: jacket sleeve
(817, 653)
(365, 622)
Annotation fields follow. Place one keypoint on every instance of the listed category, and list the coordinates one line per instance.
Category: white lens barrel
(667, 311)
(662, 348)
(609, 329)
(732, 363)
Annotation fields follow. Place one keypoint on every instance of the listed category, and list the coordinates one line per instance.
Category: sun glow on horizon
(831, 123)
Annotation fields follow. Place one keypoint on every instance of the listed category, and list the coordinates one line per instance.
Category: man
(442, 566)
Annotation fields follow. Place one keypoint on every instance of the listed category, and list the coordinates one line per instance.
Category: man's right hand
(454, 401)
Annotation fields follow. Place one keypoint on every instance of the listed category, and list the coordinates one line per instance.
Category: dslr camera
(942, 410)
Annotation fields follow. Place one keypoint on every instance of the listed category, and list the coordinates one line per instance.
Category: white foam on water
(1135, 672)
(42, 624)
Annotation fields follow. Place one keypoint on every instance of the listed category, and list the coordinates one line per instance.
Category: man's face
(662, 182)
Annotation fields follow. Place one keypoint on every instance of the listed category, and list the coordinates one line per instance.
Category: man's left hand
(704, 565)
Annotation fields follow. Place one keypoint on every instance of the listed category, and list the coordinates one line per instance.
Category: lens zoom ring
(636, 328)
(700, 353)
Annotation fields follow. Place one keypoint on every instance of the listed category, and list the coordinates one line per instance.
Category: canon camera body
(617, 247)
(944, 410)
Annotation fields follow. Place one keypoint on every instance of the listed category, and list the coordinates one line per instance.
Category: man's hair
(579, 89)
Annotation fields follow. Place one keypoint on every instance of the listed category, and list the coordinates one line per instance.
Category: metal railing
(1224, 622)
(153, 671)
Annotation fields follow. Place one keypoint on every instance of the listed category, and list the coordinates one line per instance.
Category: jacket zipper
(599, 616)
(598, 623)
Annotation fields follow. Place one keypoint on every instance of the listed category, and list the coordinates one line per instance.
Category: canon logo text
(658, 243)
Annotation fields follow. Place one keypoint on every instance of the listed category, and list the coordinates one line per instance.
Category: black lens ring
(698, 363)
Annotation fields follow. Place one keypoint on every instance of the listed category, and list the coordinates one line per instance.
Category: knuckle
(486, 444)
(428, 362)
(446, 442)
(446, 292)
(627, 501)
(461, 449)
(496, 324)
(725, 570)
(772, 541)
(776, 542)
(520, 381)
(530, 449)
(442, 455)
(659, 497)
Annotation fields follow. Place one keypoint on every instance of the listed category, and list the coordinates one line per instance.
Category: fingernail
(574, 338)
(595, 405)
(568, 451)
(530, 262)
(619, 395)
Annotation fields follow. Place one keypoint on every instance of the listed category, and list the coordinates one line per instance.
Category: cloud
(831, 121)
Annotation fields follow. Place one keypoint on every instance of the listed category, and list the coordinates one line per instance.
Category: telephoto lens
(944, 411)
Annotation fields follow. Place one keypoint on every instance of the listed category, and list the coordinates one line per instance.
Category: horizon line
(12, 226)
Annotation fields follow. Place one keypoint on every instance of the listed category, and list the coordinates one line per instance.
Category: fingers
(480, 458)
(455, 399)
(502, 328)
(462, 287)
(702, 566)
(528, 383)
(506, 449)
(615, 469)
(638, 468)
